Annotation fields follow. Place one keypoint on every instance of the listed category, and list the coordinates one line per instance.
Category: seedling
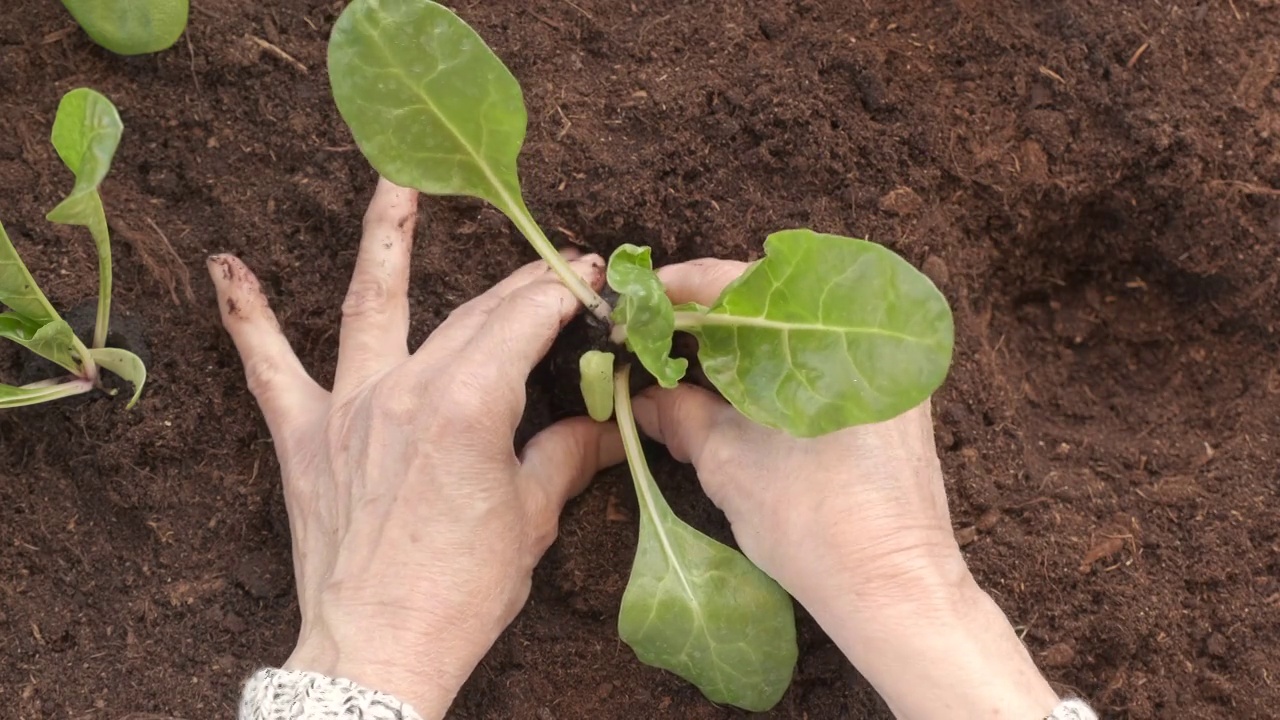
(86, 132)
(131, 27)
(823, 333)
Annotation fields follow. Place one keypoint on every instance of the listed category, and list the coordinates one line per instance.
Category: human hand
(415, 526)
(855, 525)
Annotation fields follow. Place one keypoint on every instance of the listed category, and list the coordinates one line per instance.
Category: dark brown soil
(1093, 184)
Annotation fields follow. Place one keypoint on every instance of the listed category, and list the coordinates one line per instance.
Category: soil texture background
(1094, 185)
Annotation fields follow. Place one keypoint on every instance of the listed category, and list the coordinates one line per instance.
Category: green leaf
(433, 108)
(823, 333)
(126, 365)
(86, 133)
(595, 369)
(697, 607)
(429, 104)
(646, 312)
(18, 290)
(131, 27)
(54, 340)
(11, 396)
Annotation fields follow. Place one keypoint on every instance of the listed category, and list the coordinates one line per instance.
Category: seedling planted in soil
(86, 132)
(823, 333)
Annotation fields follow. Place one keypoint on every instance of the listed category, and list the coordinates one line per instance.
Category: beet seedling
(86, 132)
(823, 333)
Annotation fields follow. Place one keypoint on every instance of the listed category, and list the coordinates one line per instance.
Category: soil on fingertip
(1095, 187)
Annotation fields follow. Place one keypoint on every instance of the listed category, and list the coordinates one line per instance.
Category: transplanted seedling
(823, 333)
(86, 132)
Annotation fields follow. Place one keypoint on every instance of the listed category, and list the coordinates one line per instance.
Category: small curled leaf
(646, 312)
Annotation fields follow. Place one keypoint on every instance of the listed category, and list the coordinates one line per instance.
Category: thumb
(561, 460)
(683, 418)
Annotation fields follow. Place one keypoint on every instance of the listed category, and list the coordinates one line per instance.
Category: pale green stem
(586, 295)
(102, 239)
(690, 320)
(647, 492)
(86, 360)
(51, 392)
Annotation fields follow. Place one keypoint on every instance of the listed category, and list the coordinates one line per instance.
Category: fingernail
(570, 252)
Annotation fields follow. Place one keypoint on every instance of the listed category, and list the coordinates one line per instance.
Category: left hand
(415, 525)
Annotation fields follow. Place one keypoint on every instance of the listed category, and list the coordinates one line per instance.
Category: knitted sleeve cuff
(1072, 710)
(273, 694)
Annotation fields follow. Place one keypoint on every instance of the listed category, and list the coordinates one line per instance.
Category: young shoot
(86, 133)
(824, 332)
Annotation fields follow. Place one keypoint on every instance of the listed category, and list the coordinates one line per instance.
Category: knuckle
(263, 374)
(366, 297)
(396, 403)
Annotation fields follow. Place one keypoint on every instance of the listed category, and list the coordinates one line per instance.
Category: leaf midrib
(509, 203)
(729, 320)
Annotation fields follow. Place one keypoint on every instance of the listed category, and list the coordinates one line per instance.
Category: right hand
(851, 520)
(854, 524)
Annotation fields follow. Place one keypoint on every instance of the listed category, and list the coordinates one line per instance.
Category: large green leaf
(131, 27)
(126, 365)
(86, 133)
(429, 104)
(18, 290)
(53, 340)
(823, 333)
(645, 311)
(11, 396)
(433, 108)
(697, 607)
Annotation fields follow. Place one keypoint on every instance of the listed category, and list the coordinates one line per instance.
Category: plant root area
(1094, 185)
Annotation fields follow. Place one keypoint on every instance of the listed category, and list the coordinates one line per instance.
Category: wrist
(957, 643)
(426, 681)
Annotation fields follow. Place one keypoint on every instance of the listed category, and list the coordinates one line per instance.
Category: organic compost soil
(1094, 185)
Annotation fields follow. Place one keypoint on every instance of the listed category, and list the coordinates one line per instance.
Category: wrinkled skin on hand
(415, 525)
(846, 521)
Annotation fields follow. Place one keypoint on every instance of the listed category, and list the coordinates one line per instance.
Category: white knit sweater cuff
(1072, 710)
(273, 694)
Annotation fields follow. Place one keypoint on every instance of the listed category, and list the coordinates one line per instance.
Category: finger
(683, 418)
(375, 313)
(519, 332)
(562, 459)
(462, 324)
(284, 391)
(559, 463)
(699, 281)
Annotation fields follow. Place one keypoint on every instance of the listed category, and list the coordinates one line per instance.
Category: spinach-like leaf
(646, 312)
(54, 340)
(131, 27)
(18, 290)
(433, 108)
(11, 396)
(86, 133)
(697, 607)
(823, 333)
(428, 102)
(595, 370)
(126, 365)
